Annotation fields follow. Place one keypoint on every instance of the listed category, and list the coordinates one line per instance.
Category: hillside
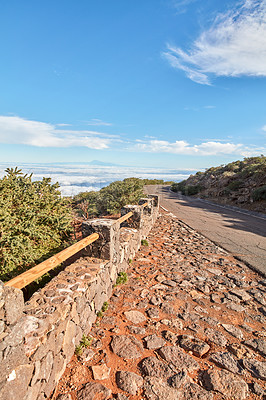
(240, 183)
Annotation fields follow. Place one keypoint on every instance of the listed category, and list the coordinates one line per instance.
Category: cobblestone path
(188, 324)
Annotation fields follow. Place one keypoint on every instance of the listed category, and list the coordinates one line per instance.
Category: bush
(35, 222)
(234, 185)
(259, 193)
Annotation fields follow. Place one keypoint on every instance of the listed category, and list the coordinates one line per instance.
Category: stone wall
(38, 338)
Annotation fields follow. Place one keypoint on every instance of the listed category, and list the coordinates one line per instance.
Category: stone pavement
(188, 324)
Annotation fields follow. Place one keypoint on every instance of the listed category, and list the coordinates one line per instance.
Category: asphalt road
(238, 231)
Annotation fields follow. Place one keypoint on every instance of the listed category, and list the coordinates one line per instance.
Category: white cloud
(209, 148)
(98, 122)
(16, 130)
(264, 128)
(234, 46)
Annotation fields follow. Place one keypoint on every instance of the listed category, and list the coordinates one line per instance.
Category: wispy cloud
(181, 5)
(235, 45)
(264, 128)
(209, 148)
(98, 122)
(17, 130)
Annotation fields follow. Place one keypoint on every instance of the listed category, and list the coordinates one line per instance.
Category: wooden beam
(124, 218)
(29, 276)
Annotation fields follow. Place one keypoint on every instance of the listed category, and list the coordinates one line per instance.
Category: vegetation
(35, 222)
(259, 193)
(144, 242)
(110, 199)
(240, 182)
(121, 279)
(86, 341)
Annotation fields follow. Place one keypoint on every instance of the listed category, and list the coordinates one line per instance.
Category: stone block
(17, 383)
(13, 357)
(107, 246)
(13, 304)
(69, 339)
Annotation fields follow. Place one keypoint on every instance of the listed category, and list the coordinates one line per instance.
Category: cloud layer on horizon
(210, 148)
(17, 130)
(234, 46)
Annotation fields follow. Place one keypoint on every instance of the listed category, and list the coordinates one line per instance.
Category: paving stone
(169, 283)
(233, 330)
(151, 366)
(257, 344)
(155, 300)
(257, 368)
(178, 358)
(158, 389)
(179, 379)
(129, 381)
(176, 324)
(93, 390)
(193, 391)
(136, 317)
(138, 330)
(153, 313)
(168, 308)
(108, 320)
(227, 361)
(258, 390)
(171, 337)
(216, 337)
(154, 342)
(121, 396)
(235, 307)
(191, 343)
(242, 294)
(239, 350)
(127, 347)
(66, 396)
(100, 372)
(231, 386)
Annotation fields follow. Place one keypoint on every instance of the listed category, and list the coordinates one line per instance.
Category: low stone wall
(38, 338)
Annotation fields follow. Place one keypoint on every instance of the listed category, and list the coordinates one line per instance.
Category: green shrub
(35, 222)
(192, 189)
(122, 278)
(105, 306)
(259, 193)
(86, 341)
(234, 185)
(144, 242)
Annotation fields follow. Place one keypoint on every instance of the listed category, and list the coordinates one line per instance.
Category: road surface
(238, 231)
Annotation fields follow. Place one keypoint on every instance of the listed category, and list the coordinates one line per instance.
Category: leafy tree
(35, 222)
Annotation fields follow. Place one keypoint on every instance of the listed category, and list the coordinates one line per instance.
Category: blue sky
(163, 83)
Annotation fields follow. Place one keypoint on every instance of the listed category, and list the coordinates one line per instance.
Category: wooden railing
(29, 276)
(39, 270)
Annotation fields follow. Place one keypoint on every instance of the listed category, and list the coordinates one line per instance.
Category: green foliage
(105, 306)
(259, 193)
(144, 242)
(234, 185)
(110, 199)
(121, 279)
(79, 350)
(100, 314)
(130, 260)
(35, 222)
(86, 341)
(192, 189)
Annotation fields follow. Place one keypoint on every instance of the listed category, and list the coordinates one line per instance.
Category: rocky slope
(240, 183)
